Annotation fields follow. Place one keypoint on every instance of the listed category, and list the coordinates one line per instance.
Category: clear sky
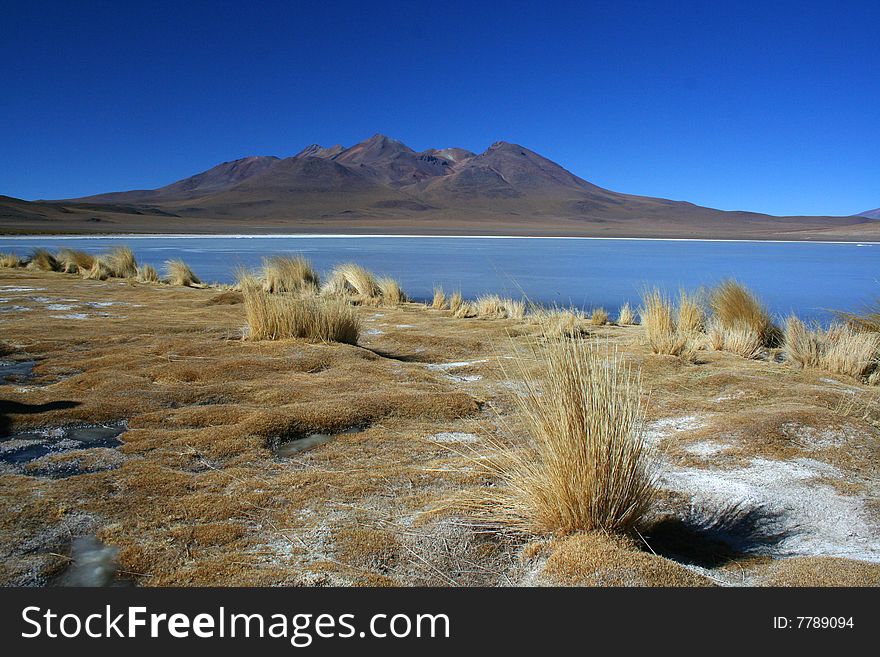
(765, 106)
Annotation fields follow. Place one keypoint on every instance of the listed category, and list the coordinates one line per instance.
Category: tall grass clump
(658, 316)
(177, 272)
(625, 315)
(10, 260)
(587, 465)
(492, 306)
(691, 317)
(735, 307)
(97, 272)
(351, 279)
(439, 301)
(464, 310)
(599, 317)
(803, 347)
(840, 349)
(455, 302)
(120, 262)
(289, 274)
(147, 274)
(73, 261)
(560, 322)
(390, 292)
(42, 260)
(306, 316)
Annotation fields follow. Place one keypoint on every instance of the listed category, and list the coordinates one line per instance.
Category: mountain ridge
(382, 185)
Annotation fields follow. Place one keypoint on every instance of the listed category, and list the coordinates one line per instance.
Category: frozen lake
(808, 278)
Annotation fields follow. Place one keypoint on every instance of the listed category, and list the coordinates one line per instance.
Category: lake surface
(807, 278)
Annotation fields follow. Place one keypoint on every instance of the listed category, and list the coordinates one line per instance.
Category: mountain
(871, 214)
(382, 185)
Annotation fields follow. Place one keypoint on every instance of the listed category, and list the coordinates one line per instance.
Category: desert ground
(137, 413)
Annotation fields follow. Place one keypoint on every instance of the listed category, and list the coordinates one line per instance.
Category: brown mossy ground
(196, 496)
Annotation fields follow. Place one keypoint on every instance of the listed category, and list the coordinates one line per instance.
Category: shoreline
(146, 236)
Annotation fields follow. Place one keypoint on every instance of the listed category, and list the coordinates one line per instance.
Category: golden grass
(73, 261)
(439, 301)
(587, 466)
(803, 347)
(10, 260)
(42, 260)
(390, 291)
(560, 322)
(625, 315)
(840, 349)
(599, 317)
(455, 302)
(492, 306)
(177, 272)
(289, 274)
(465, 309)
(516, 308)
(664, 336)
(97, 272)
(734, 306)
(351, 279)
(120, 262)
(691, 317)
(147, 274)
(742, 340)
(306, 316)
(850, 352)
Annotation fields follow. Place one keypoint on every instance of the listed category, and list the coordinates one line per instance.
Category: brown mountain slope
(381, 185)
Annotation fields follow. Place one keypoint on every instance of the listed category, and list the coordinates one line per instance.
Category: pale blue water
(806, 278)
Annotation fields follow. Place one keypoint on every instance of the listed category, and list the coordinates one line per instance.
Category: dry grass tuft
(282, 317)
(289, 274)
(120, 262)
(735, 307)
(73, 261)
(42, 260)
(465, 309)
(516, 308)
(177, 272)
(850, 352)
(691, 317)
(148, 274)
(626, 316)
(664, 336)
(351, 279)
(587, 466)
(742, 340)
(455, 301)
(492, 306)
(803, 346)
(599, 317)
(439, 300)
(10, 260)
(561, 322)
(840, 349)
(390, 291)
(98, 271)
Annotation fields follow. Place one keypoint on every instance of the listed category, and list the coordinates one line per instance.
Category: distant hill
(382, 185)
(871, 214)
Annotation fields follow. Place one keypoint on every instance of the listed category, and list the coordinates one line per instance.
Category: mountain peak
(316, 150)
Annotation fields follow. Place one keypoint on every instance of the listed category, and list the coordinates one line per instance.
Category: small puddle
(301, 443)
(16, 371)
(27, 446)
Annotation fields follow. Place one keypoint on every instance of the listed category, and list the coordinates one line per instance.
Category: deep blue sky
(766, 106)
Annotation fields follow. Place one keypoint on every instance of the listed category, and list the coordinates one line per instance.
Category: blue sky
(765, 106)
